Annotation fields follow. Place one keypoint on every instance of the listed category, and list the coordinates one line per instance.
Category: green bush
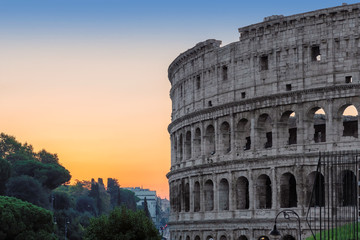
(122, 224)
(21, 220)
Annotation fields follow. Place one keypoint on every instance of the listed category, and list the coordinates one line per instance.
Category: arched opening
(209, 237)
(350, 122)
(349, 193)
(288, 128)
(263, 238)
(223, 237)
(243, 140)
(242, 238)
(209, 195)
(172, 197)
(196, 197)
(188, 145)
(319, 125)
(265, 130)
(187, 238)
(197, 142)
(197, 238)
(224, 195)
(176, 149)
(180, 197)
(242, 193)
(316, 189)
(187, 197)
(180, 148)
(288, 195)
(288, 237)
(210, 140)
(225, 139)
(263, 192)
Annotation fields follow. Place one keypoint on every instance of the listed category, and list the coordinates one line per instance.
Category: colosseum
(250, 118)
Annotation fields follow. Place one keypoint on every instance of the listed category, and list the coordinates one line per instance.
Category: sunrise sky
(87, 79)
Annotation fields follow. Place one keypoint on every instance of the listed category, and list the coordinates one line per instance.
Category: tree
(113, 189)
(9, 145)
(146, 209)
(21, 220)
(100, 196)
(50, 175)
(86, 204)
(61, 200)
(27, 189)
(122, 223)
(4, 174)
(128, 199)
(46, 157)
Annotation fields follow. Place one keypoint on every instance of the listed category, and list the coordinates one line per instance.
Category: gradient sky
(87, 79)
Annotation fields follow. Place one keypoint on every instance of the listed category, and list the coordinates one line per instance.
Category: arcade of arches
(221, 138)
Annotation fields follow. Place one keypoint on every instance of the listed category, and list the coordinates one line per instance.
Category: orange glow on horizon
(100, 114)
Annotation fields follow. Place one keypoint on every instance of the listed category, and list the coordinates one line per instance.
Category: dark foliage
(24, 221)
(146, 209)
(128, 199)
(46, 157)
(50, 175)
(61, 200)
(122, 223)
(4, 174)
(27, 189)
(86, 204)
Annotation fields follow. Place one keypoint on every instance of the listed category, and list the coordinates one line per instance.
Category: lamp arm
(293, 212)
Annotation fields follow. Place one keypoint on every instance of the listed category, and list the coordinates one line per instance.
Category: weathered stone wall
(246, 130)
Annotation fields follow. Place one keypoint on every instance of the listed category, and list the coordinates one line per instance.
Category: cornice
(259, 101)
(240, 161)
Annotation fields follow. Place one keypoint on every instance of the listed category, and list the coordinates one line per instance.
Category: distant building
(150, 198)
(164, 204)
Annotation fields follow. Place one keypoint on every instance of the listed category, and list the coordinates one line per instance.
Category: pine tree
(146, 209)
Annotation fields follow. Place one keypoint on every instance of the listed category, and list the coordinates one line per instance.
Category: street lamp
(66, 226)
(287, 215)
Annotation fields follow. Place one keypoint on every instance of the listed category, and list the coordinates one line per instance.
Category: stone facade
(249, 119)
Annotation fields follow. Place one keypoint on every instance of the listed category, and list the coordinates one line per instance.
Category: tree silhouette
(146, 209)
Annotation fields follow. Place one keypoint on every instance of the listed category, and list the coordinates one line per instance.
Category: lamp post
(66, 226)
(287, 215)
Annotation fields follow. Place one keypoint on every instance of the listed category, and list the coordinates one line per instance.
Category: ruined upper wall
(317, 49)
(278, 23)
(200, 48)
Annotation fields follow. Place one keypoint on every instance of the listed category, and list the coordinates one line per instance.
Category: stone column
(216, 192)
(202, 195)
(252, 133)
(191, 194)
(192, 130)
(216, 136)
(230, 178)
(202, 144)
(252, 187)
(232, 134)
(300, 125)
(274, 189)
(330, 127)
(275, 134)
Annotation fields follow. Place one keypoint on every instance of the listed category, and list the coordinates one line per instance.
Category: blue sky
(143, 19)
